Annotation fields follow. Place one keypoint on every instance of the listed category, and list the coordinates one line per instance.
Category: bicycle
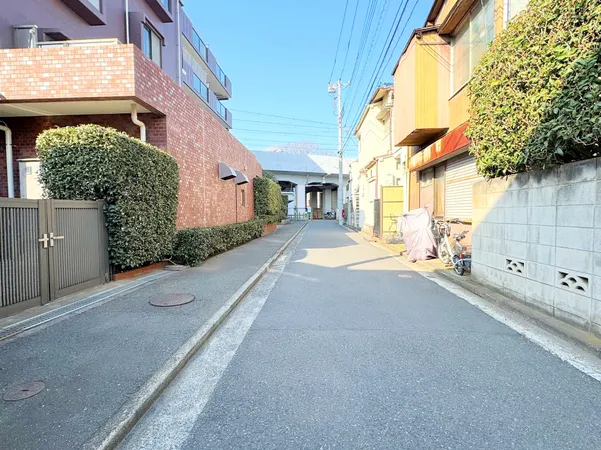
(442, 231)
(394, 237)
(462, 255)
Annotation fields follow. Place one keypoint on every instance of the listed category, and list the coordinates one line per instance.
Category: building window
(471, 42)
(95, 4)
(243, 197)
(166, 4)
(152, 45)
(514, 7)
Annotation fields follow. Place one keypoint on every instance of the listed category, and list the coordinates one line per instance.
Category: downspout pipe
(127, 21)
(8, 139)
(135, 120)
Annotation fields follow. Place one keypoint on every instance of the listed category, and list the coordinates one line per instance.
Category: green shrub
(268, 198)
(138, 181)
(535, 95)
(194, 245)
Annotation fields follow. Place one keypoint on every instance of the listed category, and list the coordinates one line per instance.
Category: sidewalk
(94, 361)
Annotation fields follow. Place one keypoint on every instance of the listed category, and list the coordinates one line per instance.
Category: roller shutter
(460, 177)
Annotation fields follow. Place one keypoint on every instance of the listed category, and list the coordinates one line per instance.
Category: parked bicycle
(462, 255)
(442, 231)
(394, 237)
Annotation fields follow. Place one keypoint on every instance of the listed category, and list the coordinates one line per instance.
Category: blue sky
(279, 56)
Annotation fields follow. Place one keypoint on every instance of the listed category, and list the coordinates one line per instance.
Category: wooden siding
(422, 90)
(459, 107)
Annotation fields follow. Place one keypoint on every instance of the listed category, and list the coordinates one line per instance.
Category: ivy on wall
(535, 96)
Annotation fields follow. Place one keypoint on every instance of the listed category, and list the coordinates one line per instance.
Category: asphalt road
(341, 346)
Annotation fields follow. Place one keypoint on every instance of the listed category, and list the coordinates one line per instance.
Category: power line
(248, 130)
(371, 9)
(350, 37)
(279, 117)
(320, 127)
(384, 61)
(391, 33)
(339, 37)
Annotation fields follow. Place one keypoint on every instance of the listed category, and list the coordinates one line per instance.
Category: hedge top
(534, 94)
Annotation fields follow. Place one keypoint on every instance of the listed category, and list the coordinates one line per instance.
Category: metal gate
(49, 249)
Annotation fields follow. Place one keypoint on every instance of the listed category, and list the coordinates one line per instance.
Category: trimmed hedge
(535, 95)
(138, 181)
(268, 198)
(194, 245)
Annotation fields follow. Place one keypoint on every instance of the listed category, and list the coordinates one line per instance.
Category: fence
(48, 249)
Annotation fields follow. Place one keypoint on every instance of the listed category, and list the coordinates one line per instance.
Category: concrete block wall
(537, 238)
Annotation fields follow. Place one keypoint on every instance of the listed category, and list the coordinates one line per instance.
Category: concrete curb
(117, 427)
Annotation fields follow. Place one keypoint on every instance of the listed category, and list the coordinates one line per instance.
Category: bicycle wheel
(458, 266)
(443, 250)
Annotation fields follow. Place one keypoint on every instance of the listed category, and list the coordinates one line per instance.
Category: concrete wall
(537, 237)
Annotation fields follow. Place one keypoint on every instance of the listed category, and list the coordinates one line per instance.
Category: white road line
(562, 348)
(170, 421)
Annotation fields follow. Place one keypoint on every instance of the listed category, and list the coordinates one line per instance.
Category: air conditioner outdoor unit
(26, 36)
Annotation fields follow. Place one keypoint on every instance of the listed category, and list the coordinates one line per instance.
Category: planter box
(269, 228)
(139, 271)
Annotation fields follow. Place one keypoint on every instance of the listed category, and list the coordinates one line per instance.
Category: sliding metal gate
(48, 249)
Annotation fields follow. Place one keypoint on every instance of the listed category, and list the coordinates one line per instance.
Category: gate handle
(44, 240)
(53, 237)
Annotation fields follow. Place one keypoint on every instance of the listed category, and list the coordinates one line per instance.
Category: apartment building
(378, 163)
(139, 66)
(431, 107)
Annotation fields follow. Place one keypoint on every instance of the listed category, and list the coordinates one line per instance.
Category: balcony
(209, 99)
(219, 82)
(422, 90)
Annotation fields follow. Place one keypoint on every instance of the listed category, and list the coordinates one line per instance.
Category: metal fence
(48, 249)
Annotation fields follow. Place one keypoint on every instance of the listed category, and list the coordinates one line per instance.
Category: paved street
(341, 346)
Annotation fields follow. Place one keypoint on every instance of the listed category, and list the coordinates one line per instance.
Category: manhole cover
(172, 300)
(23, 391)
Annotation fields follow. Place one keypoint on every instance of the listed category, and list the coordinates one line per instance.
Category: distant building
(308, 180)
(379, 163)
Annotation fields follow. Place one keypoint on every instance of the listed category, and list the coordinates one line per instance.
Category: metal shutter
(460, 177)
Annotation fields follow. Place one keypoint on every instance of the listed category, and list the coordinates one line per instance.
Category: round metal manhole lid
(168, 300)
(23, 391)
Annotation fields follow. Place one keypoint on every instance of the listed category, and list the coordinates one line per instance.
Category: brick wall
(199, 142)
(181, 126)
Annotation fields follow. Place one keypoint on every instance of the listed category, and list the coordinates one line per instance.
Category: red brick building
(76, 82)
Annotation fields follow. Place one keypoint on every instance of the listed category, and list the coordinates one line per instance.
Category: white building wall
(537, 238)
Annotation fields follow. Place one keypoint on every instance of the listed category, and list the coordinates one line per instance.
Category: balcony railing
(203, 50)
(80, 43)
(193, 81)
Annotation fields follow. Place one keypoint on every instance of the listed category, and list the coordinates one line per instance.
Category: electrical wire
(317, 127)
(339, 38)
(281, 117)
(350, 38)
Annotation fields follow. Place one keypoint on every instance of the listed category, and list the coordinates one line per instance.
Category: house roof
(417, 32)
(379, 93)
(297, 163)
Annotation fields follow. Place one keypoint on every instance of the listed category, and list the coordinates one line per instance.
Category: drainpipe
(127, 21)
(179, 43)
(134, 119)
(8, 138)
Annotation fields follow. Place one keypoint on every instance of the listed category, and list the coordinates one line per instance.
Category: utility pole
(337, 89)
